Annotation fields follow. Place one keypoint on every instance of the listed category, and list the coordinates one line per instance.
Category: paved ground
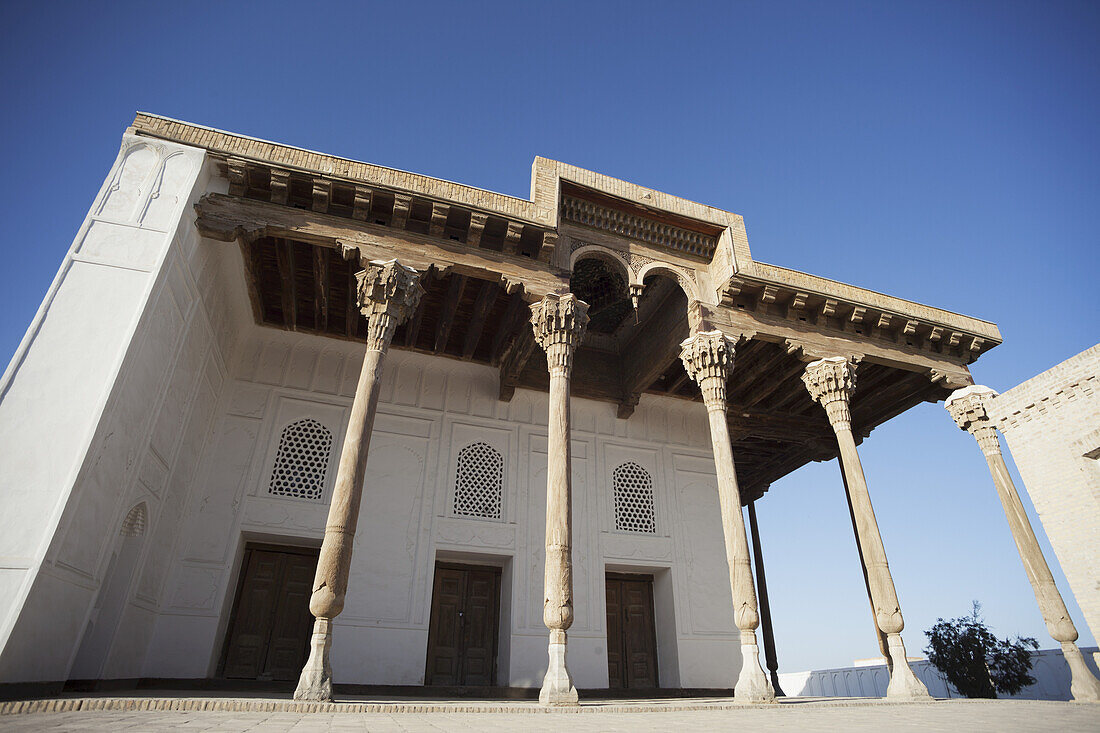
(952, 716)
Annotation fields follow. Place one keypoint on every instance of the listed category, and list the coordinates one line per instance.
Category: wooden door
(269, 628)
(631, 632)
(462, 633)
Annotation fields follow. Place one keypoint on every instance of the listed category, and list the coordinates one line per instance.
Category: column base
(904, 685)
(752, 685)
(1082, 685)
(557, 685)
(315, 684)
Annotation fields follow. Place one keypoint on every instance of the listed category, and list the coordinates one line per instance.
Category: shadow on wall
(1048, 667)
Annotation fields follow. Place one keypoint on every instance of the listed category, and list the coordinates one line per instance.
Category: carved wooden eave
(485, 256)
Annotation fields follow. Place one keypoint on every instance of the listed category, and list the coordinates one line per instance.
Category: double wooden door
(463, 631)
(268, 637)
(631, 632)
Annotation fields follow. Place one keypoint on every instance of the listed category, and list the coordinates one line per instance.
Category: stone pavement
(802, 714)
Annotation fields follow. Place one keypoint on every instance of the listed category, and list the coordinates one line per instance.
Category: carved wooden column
(969, 408)
(708, 359)
(883, 646)
(830, 382)
(388, 293)
(559, 322)
(765, 607)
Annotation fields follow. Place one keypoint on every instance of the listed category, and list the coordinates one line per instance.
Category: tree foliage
(975, 661)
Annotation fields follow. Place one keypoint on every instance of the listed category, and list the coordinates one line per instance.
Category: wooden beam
(821, 340)
(401, 205)
(250, 252)
(322, 194)
(512, 236)
(514, 361)
(506, 330)
(485, 299)
(678, 382)
(439, 219)
(351, 313)
(225, 218)
(284, 256)
(447, 314)
(742, 383)
(280, 186)
(653, 350)
(361, 206)
(320, 288)
(237, 172)
(477, 226)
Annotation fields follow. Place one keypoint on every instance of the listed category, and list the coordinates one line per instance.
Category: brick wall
(1052, 425)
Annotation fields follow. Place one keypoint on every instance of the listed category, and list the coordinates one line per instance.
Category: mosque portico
(567, 401)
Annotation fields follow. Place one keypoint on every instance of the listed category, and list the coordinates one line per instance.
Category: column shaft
(559, 322)
(882, 645)
(766, 628)
(388, 292)
(708, 359)
(830, 382)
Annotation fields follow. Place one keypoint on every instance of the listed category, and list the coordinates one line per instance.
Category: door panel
(462, 633)
(268, 636)
(631, 633)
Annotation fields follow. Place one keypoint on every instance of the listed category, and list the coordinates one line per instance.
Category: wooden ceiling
(775, 426)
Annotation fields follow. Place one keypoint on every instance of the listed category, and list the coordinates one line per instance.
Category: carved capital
(969, 408)
(830, 382)
(559, 321)
(708, 359)
(388, 293)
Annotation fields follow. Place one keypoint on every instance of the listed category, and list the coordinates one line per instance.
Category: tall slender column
(969, 408)
(830, 382)
(883, 646)
(708, 359)
(388, 292)
(559, 322)
(765, 607)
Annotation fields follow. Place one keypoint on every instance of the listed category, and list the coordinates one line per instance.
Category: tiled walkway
(803, 714)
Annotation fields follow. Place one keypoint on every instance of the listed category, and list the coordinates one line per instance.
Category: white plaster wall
(430, 408)
(1049, 668)
(107, 403)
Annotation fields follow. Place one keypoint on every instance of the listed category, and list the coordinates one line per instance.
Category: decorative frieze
(632, 226)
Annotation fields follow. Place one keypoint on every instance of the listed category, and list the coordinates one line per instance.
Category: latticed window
(633, 499)
(479, 484)
(302, 460)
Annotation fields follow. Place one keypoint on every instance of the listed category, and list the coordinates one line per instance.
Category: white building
(171, 428)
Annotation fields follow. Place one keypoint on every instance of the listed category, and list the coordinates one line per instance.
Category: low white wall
(1049, 669)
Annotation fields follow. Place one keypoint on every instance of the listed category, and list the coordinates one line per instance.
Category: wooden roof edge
(789, 279)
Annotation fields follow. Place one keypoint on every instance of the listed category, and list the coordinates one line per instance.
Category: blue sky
(946, 152)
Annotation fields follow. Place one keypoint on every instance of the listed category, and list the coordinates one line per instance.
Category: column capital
(969, 408)
(388, 293)
(708, 359)
(831, 381)
(559, 321)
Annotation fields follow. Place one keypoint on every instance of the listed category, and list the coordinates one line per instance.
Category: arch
(682, 278)
(136, 519)
(610, 256)
(301, 462)
(479, 482)
(632, 489)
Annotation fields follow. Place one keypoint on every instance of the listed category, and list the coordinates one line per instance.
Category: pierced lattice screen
(302, 460)
(479, 483)
(633, 499)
